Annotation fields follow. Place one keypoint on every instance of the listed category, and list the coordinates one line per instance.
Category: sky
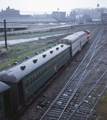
(45, 6)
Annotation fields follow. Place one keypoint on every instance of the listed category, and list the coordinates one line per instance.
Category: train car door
(7, 104)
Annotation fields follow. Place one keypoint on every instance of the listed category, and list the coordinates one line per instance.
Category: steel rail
(87, 94)
(81, 79)
(79, 84)
(66, 85)
(84, 58)
(96, 102)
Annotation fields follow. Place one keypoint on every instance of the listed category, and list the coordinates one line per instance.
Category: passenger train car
(21, 82)
(76, 41)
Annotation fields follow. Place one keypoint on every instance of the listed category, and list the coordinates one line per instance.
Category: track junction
(78, 98)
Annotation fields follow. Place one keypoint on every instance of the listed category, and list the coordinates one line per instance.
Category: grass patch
(32, 35)
(21, 58)
(21, 48)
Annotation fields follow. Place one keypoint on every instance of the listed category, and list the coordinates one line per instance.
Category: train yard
(75, 93)
(75, 90)
(67, 105)
(24, 49)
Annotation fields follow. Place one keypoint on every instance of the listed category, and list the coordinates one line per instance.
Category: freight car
(19, 83)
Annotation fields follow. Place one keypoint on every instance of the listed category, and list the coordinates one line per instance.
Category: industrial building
(9, 13)
(104, 18)
(61, 16)
(14, 16)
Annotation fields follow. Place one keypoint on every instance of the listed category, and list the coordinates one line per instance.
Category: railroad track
(77, 88)
(87, 104)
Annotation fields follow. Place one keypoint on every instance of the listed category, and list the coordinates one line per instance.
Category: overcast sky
(32, 6)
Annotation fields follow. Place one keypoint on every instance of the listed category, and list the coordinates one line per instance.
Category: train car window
(31, 80)
(38, 74)
(35, 76)
(51, 65)
(59, 58)
(41, 73)
(26, 84)
(55, 61)
(0, 105)
(48, 67)
(45, 69)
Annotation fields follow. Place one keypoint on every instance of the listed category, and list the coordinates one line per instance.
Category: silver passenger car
(76, 41)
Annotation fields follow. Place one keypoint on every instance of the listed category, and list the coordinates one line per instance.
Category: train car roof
(74, 36)
(16, 73)
(3, 87)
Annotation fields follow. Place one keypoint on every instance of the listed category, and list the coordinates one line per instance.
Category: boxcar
(26, 78)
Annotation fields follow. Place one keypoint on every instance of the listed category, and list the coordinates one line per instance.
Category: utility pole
(5, 35)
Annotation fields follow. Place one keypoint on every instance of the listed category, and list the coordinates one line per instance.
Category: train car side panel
(15, 95)
(5, 102)
(75, 40)
(34, 81)
(2, 111)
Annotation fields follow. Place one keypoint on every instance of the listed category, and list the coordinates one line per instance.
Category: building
(104, 18)
(93, 13)
(9, 13)
(72, 16)
(61, 16)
